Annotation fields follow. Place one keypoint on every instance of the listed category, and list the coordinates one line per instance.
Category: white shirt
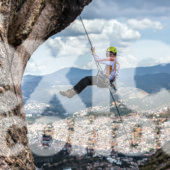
(114, 72)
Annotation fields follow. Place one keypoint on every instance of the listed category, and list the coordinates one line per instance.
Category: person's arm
(96, 57)
(107, 61)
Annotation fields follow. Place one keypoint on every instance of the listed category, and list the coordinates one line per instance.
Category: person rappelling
(103, 79)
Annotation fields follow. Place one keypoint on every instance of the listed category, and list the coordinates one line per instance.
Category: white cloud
(126, 9)
(93, 26)
(113, 29)
(145, 53)
(119, 31)
(55, 44)
(103, 33)
(33, 68)
(127, 60)
(71, 48)
(65, 50)
(144, 24)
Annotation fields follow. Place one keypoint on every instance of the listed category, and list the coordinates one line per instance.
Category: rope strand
(90, 42)
(98, 65)
(100, 70)
(86, 31)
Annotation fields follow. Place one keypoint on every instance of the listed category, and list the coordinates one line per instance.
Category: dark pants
(88, 81)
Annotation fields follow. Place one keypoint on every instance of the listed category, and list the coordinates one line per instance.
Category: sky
(139, 29)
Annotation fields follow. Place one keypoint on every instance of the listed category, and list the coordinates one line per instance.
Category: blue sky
(140, 30)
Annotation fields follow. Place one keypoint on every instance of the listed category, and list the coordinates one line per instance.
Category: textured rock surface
(159, 161)
(24, 25)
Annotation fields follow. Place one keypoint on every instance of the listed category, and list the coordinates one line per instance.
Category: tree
(24, 25)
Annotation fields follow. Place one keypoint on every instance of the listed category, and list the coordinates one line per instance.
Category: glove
(93, 50)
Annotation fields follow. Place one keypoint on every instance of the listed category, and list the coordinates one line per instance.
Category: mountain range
(137, 82)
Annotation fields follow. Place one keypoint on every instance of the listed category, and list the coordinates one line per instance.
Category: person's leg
(80, 86)
(83, 83)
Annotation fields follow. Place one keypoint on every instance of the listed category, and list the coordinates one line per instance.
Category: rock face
(24, 25)
(159, 161)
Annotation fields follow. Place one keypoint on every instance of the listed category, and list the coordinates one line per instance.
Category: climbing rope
(99, 67)
(86, 31)
(90, 42)
(100, 70)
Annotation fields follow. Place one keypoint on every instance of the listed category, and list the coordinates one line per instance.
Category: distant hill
(153, 83)
(164, 68)
(66, 76)
(150, 79)
(38, 89)
(146, 78)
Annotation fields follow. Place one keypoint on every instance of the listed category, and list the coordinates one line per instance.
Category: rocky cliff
(24, 25)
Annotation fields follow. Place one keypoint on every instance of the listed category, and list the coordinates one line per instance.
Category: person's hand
(93, 50)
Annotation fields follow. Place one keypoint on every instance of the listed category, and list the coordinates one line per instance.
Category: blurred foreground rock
(24, 25)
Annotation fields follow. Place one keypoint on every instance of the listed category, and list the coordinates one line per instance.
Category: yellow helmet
(112, 49)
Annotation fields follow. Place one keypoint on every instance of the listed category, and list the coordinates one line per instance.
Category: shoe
(2, 90)
(69, 93)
